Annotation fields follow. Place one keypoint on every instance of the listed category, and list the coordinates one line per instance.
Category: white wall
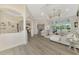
(33, 28)
(10, 40)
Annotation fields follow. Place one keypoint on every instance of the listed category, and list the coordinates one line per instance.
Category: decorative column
(24, 24)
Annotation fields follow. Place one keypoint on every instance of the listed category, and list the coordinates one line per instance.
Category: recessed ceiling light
(67, 10)
(42, 13)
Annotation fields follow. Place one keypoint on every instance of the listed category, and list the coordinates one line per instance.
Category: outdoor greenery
(61, 27)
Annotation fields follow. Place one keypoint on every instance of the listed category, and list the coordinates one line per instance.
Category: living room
(34, 27)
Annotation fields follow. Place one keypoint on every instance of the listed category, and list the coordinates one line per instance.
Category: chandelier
(54, 11)
(50, 12)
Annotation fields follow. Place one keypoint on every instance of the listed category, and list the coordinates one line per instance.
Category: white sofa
(63, 39)
(53, 37)
(59, 39)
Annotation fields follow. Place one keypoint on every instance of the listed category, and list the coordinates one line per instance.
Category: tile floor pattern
(39, 46)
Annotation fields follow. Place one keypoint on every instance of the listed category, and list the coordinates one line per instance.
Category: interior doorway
(40, 27)
(28, 28)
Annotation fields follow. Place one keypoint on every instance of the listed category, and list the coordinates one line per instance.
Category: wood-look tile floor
(39, 46)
